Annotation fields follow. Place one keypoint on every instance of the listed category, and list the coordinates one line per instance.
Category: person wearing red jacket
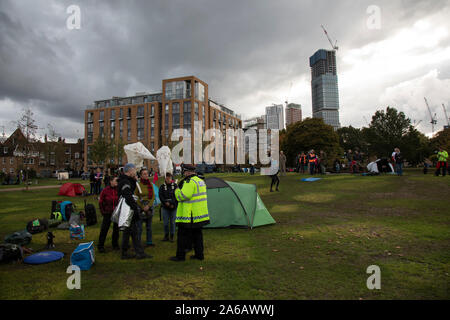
(107, 203)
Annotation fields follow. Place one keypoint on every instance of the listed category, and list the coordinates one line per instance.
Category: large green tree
(441, 139)
(101, 151)
(310, 134)
(351, 138)
(390, 129)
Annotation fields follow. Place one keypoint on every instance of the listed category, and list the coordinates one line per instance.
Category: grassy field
(44, 182)
(327, 234)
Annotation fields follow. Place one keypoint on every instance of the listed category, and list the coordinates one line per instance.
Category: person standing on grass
(98, 181)
(145, 198)
(169, 206)
(282, 163)
(107, 203)
(397, 158)
(126, 188)
(274, 174)
(192, 214)
(442, 157)
(312, 158)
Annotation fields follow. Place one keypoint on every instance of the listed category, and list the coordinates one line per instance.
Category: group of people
(311, 162)
(183, 204)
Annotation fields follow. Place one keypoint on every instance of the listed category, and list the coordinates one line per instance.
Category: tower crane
(446, 116)
(289, 95)
(433, 119)
(334, 46)
(416, 123)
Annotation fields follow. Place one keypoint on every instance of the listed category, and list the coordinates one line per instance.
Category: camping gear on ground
(91, 215)
(235, 204)
(53, 223)
(76, 218)
(122, 214)
(37, 226)
(50, 244)
(20, 238)
(83, 256)
(55, 206)
(71, 190)
(311, 179)
(10, 252)
(66, 208)
(76, 231)
(379, 166)
(136, 153)
(56, 215)
(63, 226)
(44, 257)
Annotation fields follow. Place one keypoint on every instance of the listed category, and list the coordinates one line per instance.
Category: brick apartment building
(150, 118)
(45, 156)
(293, 113)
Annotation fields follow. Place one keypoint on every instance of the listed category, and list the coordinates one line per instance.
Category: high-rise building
(293, 113)
(151, 117)
(324, 87)
(275, 117)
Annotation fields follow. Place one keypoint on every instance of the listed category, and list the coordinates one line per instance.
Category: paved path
(21, 188)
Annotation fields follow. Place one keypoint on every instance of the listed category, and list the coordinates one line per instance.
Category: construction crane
(433, 119)
(416, 124)
(446, 116)
(289, 95)
(334, 46)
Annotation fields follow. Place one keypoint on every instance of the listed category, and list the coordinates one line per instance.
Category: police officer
(192, 214)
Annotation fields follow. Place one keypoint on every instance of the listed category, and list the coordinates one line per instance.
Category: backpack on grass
(37, 226)
(91, 215)
(10, 252)
(20, 238)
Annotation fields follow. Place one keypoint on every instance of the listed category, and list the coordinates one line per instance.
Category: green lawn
(44, 182)
(327, 234)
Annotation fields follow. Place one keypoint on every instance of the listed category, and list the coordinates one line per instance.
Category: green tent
(235, 204)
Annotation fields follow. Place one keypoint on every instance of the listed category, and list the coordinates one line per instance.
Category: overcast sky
(248, 51)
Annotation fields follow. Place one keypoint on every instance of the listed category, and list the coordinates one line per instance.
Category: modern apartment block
(293, 113)
(275, 117)
(324, 87)
(151, 117)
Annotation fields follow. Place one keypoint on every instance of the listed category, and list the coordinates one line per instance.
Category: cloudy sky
(248, 51)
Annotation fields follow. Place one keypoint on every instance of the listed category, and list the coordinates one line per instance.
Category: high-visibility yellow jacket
(442, 156)
(192, 202)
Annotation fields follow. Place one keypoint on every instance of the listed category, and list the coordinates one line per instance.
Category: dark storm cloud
(238, 47)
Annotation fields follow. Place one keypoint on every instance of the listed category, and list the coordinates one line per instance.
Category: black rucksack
(91, 215)
(10, 252)
(20, 238)
(37, 226)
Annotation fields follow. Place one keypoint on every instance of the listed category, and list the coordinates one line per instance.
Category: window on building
(175, 115)
(113, 114)
(67, 151)
(11, 171)
(129, 113)
(169, 90)
(153, 146)
(129, 130)
(140, 129)
(11, 161)
(4, 160)
(152, 110)
(102, 130)
(90, 117)
(120, 113)
(113, 129)
(77, 155)
(5, 150)
(199, 91)
(102, 115)
(152, 127)
(140, 112)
